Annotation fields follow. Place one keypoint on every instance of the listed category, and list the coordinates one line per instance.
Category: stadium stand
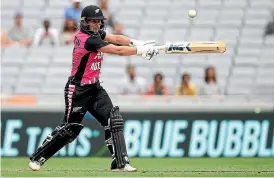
(246, 68)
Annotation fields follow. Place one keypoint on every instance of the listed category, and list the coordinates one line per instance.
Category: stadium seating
(247, 67)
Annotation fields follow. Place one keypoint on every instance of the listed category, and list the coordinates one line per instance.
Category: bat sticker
(178, 47)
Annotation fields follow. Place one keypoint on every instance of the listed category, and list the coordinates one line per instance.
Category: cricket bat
(193, 47)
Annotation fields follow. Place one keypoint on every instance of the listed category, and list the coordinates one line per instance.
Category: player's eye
(96, 21)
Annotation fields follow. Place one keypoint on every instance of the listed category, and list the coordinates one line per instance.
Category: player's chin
(95, 30)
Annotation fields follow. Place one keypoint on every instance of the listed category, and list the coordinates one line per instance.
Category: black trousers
(80, 99)
(92, 98)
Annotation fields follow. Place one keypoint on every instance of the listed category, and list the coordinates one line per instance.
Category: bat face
(196, 47)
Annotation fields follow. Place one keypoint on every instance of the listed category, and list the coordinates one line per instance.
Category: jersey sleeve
(95, 43)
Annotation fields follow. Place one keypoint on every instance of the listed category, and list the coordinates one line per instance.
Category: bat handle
(162, 48)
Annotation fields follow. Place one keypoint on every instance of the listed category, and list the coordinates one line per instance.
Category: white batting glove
(147, 52)
(134, 42)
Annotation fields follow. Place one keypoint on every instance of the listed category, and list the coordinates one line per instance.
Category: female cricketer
(83, 91)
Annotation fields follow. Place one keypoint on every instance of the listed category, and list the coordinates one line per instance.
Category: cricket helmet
(92, 12)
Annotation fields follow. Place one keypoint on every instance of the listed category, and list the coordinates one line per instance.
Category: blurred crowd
(133, 84)
(22, 35)
(269, 29)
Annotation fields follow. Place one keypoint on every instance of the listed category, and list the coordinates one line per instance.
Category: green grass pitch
(147, 167)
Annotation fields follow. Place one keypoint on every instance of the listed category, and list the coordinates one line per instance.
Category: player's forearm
(126, 51)
(122, 40)
(119, 50)
(146, 51)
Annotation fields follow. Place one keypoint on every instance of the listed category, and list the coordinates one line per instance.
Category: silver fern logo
(97, 11)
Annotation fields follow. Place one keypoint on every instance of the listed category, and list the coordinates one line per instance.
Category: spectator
(186, 87)
(269, 29)
(158, 88)
(5, 42)
(46, 35)
(74, 11)
(19, 34)
(69, 31)
(210, 86)
(116, 27)
(133, 84)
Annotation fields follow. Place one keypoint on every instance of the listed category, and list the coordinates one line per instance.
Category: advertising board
(149, 134)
